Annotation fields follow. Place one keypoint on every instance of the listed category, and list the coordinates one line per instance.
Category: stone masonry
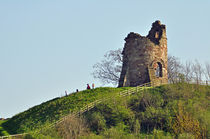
(145, 58)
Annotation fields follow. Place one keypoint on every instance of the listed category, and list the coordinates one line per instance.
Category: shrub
(185, 123)
(136, 127)
(97, 122)
(72, 127)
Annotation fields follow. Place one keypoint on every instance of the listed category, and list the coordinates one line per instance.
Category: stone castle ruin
(145, 58)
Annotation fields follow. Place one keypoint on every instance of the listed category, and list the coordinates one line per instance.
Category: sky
(49, 46)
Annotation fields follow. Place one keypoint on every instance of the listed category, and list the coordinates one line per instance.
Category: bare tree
(109, 69)
(197, 71)
(174, 69)
(207, 71)
(187, 71)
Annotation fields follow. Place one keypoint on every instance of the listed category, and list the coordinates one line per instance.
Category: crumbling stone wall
(145, 58)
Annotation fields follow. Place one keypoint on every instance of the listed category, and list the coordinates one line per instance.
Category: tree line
(109, 68)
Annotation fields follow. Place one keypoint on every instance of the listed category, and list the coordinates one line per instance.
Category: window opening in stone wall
(158, 71)
(156, 35)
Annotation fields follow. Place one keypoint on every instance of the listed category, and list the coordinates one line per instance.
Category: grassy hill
(52, 110)
(3, 132)
(177, 110)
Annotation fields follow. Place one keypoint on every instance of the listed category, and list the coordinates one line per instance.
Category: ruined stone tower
(145, 58)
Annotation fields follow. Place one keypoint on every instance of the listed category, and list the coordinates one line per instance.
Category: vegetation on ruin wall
(53, 110)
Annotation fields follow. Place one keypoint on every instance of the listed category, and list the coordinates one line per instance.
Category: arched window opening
(156, 35)
(158, 71)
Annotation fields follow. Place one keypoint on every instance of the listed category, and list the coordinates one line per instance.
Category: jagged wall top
(157, 32)
(145, 57)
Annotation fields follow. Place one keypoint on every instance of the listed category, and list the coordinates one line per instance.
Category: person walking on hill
(93, 85)
(88, 86)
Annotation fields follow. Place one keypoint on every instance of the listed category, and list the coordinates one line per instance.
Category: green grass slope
(3, 132)
(170, 111)
(50, 111)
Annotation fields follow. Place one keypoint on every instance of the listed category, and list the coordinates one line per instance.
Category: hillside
(179, 110)
(176, 110)
(3, 132)
(54, 109)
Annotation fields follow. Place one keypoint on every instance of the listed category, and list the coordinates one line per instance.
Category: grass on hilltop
(50, 111)
(170, 111)
(3, 132)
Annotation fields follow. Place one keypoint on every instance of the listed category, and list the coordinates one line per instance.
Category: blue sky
(49, 46)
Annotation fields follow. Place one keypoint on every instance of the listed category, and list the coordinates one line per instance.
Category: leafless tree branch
(109, 69)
